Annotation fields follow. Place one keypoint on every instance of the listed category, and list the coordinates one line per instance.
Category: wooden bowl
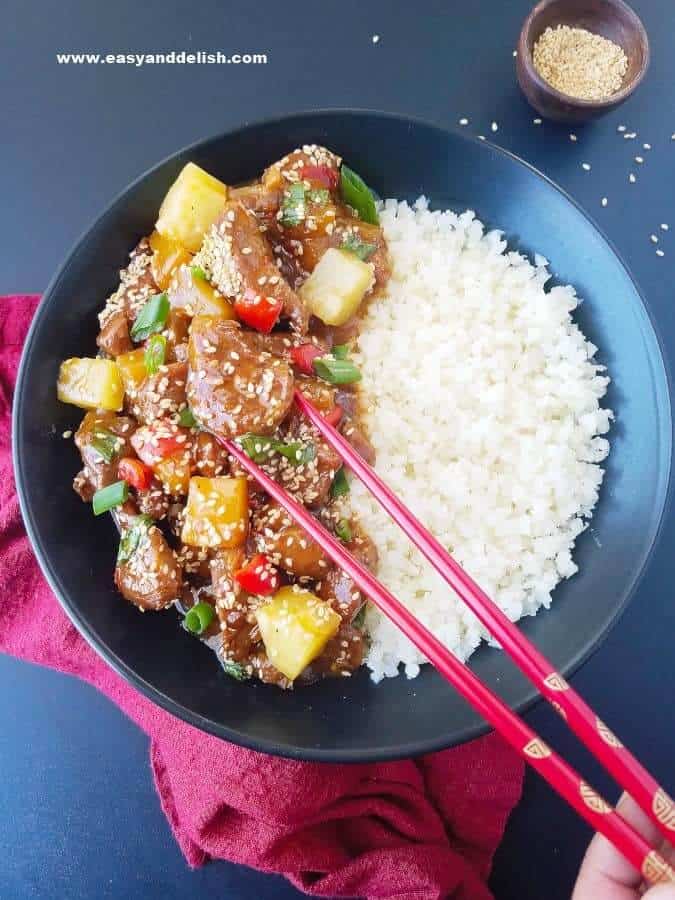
(612, 19)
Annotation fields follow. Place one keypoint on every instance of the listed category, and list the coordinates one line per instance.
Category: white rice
(481, 397)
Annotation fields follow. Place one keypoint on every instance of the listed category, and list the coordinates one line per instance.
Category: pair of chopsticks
(605, 746)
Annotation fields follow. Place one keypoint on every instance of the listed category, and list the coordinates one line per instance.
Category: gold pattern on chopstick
(608, 736)
(593, 800)
(556, 682)
(558, 708)
(656, 870)
(537, 749)
(664, 809)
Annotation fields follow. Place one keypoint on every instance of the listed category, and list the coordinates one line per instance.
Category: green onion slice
(260, 447)
(293, 206)
(344, 530)
(198, 272)
(151, 318)
(318, 196)
(155, 353)
(234, 669)
(131, 538)
(355, 245)
(104, 443)
(109, 497)
(356, 193)
(360, 618)
(336, 371)
(340, 485)
(340, 351)
(186, 418)
(199, 617)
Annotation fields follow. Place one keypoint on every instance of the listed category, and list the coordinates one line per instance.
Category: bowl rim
(525, 57)
(412, 748)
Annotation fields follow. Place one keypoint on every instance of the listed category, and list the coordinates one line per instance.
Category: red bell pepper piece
(135, 473)
(326, 176)
(258, 311)
(333, 417)
(304, 355)
(258, 576)
(158, 440)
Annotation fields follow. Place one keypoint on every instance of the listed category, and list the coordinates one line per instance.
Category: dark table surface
(78, 814)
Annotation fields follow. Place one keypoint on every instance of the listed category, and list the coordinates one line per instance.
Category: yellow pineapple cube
(90, 384)
(337, 286)
(216, 514)
(193, 203)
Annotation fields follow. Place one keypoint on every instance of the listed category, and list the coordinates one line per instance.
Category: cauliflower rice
(482, 399)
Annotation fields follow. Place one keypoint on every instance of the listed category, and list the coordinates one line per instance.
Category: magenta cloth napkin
(423, 829)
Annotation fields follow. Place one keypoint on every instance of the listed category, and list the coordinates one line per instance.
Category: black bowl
(350, 719)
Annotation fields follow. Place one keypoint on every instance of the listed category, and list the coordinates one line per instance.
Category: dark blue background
(78, 813)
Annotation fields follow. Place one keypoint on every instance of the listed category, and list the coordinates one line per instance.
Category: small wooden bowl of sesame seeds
(578, 59)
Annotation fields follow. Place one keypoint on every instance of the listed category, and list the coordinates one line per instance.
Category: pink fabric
(424, 828)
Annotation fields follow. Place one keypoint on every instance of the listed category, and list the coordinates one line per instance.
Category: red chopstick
(626, 769)
(559, 774)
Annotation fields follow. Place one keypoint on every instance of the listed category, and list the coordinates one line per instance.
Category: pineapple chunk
(193, 203)
(216, 514)
(295, 627)
(174, 473)
(167, 256)
(132, 369)
(91, 384)
(337, 286)
(196, 296)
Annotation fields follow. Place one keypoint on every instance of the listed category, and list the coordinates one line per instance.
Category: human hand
(605, 874)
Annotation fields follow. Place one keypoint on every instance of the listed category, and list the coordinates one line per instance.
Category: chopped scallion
(340, 351)
(318, 195)
(151, 318)
(355, 245)
(104, 443)
(155, 353)
(109, 497)
(260, 447)
(343, 530)
(186, 418)
(131, 538)
(198, 272)
(234, 669)
(293, 206)
(340, 485)
(356, 193)
(360, 618)
(336, 371)
(199, 617)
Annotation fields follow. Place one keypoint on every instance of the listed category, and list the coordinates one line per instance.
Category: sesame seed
(660, 253)
(515, 53)
(481, 137)
(494, 127)
(586, 167)
(376, 38)
(632, 178)
(647, 146)
(620, 127)
(536, 121)
(463, 121)
(67, 434)
(653, 238)
(664, 226)
(639, 159)
(604, 201)
(573, 138)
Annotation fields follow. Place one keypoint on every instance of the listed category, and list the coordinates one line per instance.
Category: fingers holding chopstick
(605, 873)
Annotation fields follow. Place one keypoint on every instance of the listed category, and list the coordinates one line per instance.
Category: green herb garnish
(155, 353)
(340, 351)
(318, 196)
(340, 485)
(260, 447)
(199, 617)
(109, 497)
(104, 443)
(355, 245)
(293, 206)
(151, 318)
(198, 272)
(336, 371)
(186, 418)
(344, 530)
(131, 538)
(234, 669)
(356, 193)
